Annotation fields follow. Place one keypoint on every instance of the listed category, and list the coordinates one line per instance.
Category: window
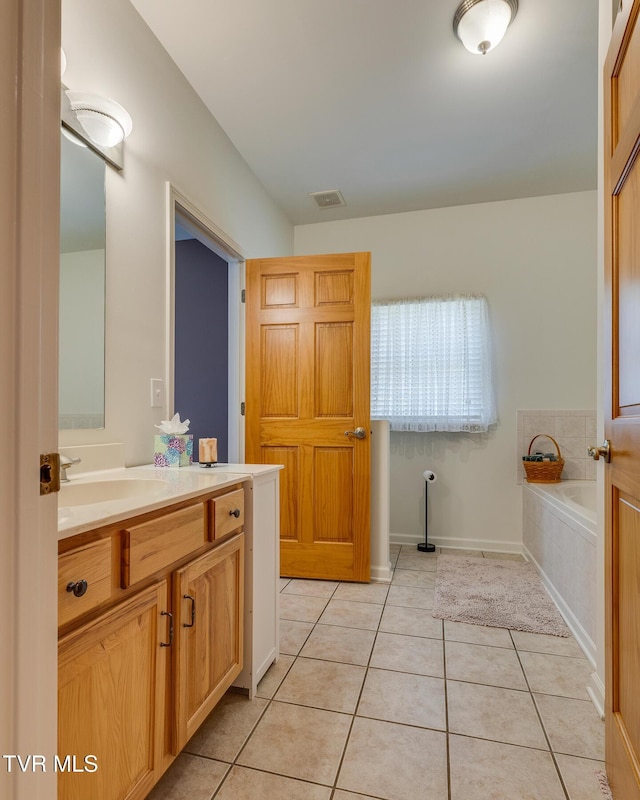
(431, 364)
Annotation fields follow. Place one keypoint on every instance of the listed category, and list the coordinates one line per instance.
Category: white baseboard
(586, 643)
(486, 545)
(381, 574)
(596, 693)
(596, 689)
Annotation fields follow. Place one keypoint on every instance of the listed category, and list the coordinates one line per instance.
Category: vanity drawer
(155, 545)
(227, 514)
(87, 570)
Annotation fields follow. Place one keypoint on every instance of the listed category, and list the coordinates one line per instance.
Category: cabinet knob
(235, 513)
(79, 588)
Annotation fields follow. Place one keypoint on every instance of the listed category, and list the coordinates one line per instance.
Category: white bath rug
(501, 594)
(603, 782)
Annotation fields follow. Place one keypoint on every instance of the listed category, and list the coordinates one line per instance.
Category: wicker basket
(544, 471)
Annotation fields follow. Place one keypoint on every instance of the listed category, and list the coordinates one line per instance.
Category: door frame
(224, 246)
(29, 242)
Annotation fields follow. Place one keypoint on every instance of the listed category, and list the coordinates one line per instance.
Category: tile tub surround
(392, 704)
(562, 546)
(573, 430)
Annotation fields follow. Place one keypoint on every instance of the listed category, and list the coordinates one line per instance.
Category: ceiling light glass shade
(63, 62)
(105, 122)
(481, 24)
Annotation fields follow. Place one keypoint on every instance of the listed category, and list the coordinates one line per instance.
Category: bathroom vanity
(160, 612)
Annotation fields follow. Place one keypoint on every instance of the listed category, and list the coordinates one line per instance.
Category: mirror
(82, 286)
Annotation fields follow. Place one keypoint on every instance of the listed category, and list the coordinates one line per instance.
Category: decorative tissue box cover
(173, 450)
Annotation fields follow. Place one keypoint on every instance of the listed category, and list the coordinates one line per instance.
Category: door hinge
(243, 296)
(242, 408)
(49, 473)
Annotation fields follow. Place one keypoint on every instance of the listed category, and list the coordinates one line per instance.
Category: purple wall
(202, 343)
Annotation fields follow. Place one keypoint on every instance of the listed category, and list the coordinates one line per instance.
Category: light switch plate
(157, 392)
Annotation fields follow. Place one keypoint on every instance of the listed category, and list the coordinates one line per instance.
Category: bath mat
(603, 781)
(501, 594)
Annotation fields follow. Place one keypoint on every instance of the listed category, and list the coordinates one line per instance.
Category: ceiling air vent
(330, 199)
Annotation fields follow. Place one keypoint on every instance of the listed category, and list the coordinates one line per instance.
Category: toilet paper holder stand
(426, 546)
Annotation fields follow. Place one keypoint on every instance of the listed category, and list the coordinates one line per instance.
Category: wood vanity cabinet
(149, 646)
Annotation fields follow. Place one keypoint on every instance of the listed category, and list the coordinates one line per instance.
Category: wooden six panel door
(308, 367)
(622, 414)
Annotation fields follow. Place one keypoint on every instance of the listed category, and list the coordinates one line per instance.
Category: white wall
(535, 260)
(110, 51)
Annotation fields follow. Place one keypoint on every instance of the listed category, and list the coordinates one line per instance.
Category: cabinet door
(208, 604)
(111, 675)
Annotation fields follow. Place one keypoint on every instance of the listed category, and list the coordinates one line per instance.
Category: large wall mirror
(82, 286)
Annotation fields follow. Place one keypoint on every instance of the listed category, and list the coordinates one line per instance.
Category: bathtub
(559, 531)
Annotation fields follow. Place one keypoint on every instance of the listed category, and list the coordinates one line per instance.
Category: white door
(29, 203)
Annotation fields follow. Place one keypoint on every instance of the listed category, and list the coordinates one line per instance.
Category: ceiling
(378, 98)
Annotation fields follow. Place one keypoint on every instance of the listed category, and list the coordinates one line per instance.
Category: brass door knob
(604, 451)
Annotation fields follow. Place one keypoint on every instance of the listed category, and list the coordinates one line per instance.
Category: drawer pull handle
(79, 588)
(193, 611)
(235, 513)
(170, 642)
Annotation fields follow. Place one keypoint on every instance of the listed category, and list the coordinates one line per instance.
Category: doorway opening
(205, 363)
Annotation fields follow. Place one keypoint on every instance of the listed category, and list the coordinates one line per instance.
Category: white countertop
(171, 485)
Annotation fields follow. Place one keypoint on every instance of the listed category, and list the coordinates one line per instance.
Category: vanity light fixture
(105, 122)
(481, 24)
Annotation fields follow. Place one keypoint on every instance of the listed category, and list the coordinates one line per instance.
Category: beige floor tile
(190, 776)
(481, 770)
(298, 742)
(411, 621)
(477, 634)
(389, 761)
(488, 712)
(579, 776)
(274, 676)
(362, 592)
(410, 597)
(408, 654)
(548, 674)
(300, 607)
(401, 697)
(227, 728)
(322, 684)
(311, 588)
(284, 582)
(245, 784)
(544, 643)
(293, 635)
(475, 663)
(414, 577)
(422, 562)
(352, 615)
(504, 556)
(335, 643)
(573, 726)
(455, 551)
(340, 795)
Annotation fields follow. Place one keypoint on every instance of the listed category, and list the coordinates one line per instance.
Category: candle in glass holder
(207, 451)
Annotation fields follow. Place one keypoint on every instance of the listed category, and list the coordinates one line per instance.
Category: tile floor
(374, 698)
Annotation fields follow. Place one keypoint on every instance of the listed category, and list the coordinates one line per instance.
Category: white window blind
(431, 364)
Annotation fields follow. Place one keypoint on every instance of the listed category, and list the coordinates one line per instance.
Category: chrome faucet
(65, 463)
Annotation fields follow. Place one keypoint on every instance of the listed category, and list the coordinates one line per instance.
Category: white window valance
(431, 364)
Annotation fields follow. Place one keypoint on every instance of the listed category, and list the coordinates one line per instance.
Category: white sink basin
(87, 494)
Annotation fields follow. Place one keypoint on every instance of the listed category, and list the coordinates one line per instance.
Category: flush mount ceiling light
(481, 24)
(105, 122)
